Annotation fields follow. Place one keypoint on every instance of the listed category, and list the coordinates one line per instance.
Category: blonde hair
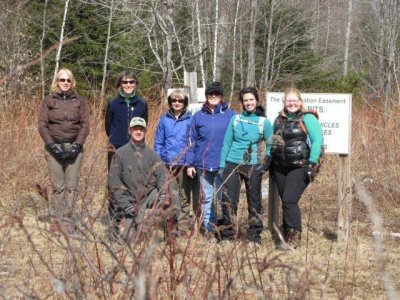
(297, 92)
(54, 85)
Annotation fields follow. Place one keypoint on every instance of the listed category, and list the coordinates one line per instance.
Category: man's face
(137, 134)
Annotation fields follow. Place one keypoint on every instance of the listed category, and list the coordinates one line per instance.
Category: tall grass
(35, 263)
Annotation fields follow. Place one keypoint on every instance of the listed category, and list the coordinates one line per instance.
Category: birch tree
(58, 55)
(105, 63)
(251, 62)
(347, 41)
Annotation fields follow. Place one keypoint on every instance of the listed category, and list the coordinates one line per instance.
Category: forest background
(320, 46)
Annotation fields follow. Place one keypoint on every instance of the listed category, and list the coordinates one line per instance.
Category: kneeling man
(137, 181)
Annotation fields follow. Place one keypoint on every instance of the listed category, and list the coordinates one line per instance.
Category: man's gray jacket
(135, 172)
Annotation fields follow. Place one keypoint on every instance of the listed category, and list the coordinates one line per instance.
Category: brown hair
(54, 85)
(127, 74)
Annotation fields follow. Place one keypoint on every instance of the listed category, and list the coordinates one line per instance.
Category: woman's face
(64, 82)
(249, 102)
(177, 103)
(214, 99)
(292, 103)
(128, 85)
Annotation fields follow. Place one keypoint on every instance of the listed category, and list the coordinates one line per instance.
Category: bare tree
(251, 62)
(107, 47)
(41, 48)
(58, 55)
(347, 41)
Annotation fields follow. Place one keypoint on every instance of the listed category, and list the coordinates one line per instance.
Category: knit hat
(137, 121)
(215, 87)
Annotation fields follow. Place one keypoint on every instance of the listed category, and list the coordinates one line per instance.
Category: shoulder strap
(261, 126)
(301, 122)
(236, 121)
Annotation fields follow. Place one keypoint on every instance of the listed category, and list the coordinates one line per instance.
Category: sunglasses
(128, 81)
(291, 101)
(178, 100)
(64, 80)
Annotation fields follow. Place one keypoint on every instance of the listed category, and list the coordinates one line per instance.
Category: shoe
(292, 239)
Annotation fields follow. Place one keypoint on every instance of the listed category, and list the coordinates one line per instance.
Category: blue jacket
(240, 136)
(207, 134)
(119, 115)
(172, 138)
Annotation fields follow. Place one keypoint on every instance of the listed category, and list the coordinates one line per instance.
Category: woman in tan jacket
(63, 125)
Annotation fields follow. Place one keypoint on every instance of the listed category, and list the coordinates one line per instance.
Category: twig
(31, 63)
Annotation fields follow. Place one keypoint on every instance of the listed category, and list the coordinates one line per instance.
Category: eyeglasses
(291, 101)
(214, 94)
(64, 80)
(178, 100)
(128, 81)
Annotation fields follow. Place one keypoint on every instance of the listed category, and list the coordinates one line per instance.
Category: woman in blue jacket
(243, 159)
(171, 142)
(208, 127)
(121, 109)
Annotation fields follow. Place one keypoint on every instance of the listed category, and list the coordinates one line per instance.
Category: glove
(58, 151)
(310, 172)
(261, 169)
(74, 151)
(220, 172)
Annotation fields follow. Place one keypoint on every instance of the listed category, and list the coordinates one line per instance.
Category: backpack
(308, 141)
(260, 124)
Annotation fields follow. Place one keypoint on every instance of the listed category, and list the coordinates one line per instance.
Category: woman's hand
(191, 172)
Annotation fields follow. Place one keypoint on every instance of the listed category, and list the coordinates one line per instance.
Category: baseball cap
(137, 121)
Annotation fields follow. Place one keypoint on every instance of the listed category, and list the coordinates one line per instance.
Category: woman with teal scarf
(121, 109)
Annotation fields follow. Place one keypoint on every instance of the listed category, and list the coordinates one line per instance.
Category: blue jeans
(210, 184)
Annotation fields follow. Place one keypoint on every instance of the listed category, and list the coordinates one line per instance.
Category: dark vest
(289, 144)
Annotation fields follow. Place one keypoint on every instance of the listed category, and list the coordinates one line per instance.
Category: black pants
(291, 185)
(232, 178)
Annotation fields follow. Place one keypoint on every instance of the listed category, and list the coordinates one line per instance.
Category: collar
(136, 148)
(124, 97)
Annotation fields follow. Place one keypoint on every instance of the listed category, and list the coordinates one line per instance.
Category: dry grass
(37, 264)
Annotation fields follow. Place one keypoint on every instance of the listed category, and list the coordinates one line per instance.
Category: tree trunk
(268, 62)
(216, 28)
(200, 48)
(103, 82)
(251, 67)
(41, 50)
(347, 41)
(234, 52)
(61, 39)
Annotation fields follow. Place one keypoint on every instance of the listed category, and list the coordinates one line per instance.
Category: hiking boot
(293, 237)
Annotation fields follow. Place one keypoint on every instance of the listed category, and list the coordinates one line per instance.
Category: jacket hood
(184, 114)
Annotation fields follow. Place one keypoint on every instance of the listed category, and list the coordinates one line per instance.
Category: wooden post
(343, 198)
(273, 208)
(190, 80)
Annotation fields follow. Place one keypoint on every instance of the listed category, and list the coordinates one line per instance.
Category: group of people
(198, 162)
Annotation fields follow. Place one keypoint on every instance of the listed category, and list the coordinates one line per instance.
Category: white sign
(334, 115)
